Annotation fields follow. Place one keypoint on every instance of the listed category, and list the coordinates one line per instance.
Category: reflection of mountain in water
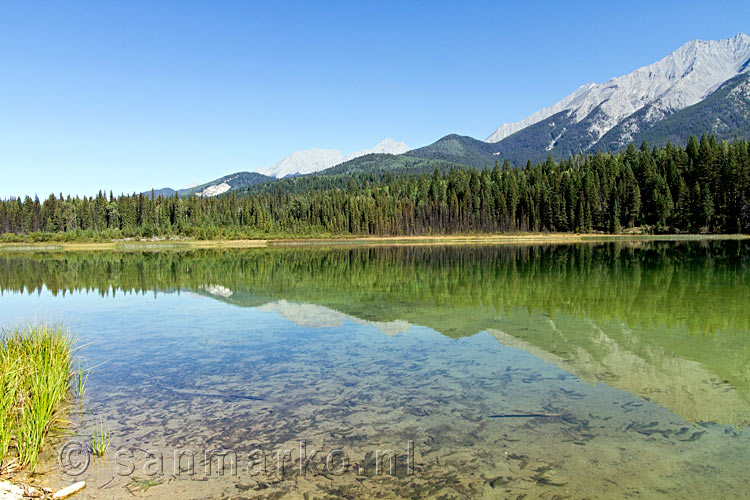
(613, 354)
(217, 290)
(311, 315)
(662, 320)
(307, 315)
(592, 353)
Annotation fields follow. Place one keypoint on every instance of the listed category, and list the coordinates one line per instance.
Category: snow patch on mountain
(555, 139)
(681, 79)
(215, 189)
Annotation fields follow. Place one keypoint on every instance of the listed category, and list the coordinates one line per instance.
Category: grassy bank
(187, 244)
(35, 378)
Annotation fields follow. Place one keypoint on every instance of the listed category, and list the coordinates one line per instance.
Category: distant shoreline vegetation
(703, 188)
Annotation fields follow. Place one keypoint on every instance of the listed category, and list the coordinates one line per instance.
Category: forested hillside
(460, 149)
(704, 187)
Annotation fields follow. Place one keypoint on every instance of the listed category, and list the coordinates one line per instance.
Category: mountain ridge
(315, 160)
(216, 187)
(296, 164)
(579, 121)
(703, 87)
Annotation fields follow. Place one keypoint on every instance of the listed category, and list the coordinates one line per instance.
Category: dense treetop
(704, 187)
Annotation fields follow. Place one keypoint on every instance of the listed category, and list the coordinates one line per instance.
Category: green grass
(100, 440)
(80, 377)
(35, 377)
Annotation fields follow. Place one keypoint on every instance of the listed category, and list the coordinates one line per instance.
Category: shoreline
(489, 239)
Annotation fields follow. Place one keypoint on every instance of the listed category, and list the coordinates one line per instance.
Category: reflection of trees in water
(699, 284)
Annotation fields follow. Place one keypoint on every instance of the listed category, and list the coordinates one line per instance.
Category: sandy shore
(131, 245)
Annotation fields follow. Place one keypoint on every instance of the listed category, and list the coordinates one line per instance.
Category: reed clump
(35, 379)
(100, 440)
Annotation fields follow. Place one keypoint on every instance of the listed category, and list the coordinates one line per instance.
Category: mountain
(315, 160)
(375, 167)
(626, 106)
(222, 185)
(165, 192)
(701, 88)
(724, 114)
(459, 149)
(303, 162)
(296, 164)
(226, 183)
(381, 164)
(386, 146)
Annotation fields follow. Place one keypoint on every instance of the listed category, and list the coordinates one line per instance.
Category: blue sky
(129, 95)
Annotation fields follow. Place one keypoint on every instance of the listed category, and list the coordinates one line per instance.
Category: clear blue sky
(129, 95)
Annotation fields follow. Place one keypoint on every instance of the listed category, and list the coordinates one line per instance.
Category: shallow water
(582, 371)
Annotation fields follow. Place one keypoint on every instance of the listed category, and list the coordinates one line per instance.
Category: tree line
(703, 187)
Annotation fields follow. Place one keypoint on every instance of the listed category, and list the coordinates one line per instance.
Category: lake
(597, 370)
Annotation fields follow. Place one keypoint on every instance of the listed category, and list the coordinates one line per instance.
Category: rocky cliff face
(629, 104)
